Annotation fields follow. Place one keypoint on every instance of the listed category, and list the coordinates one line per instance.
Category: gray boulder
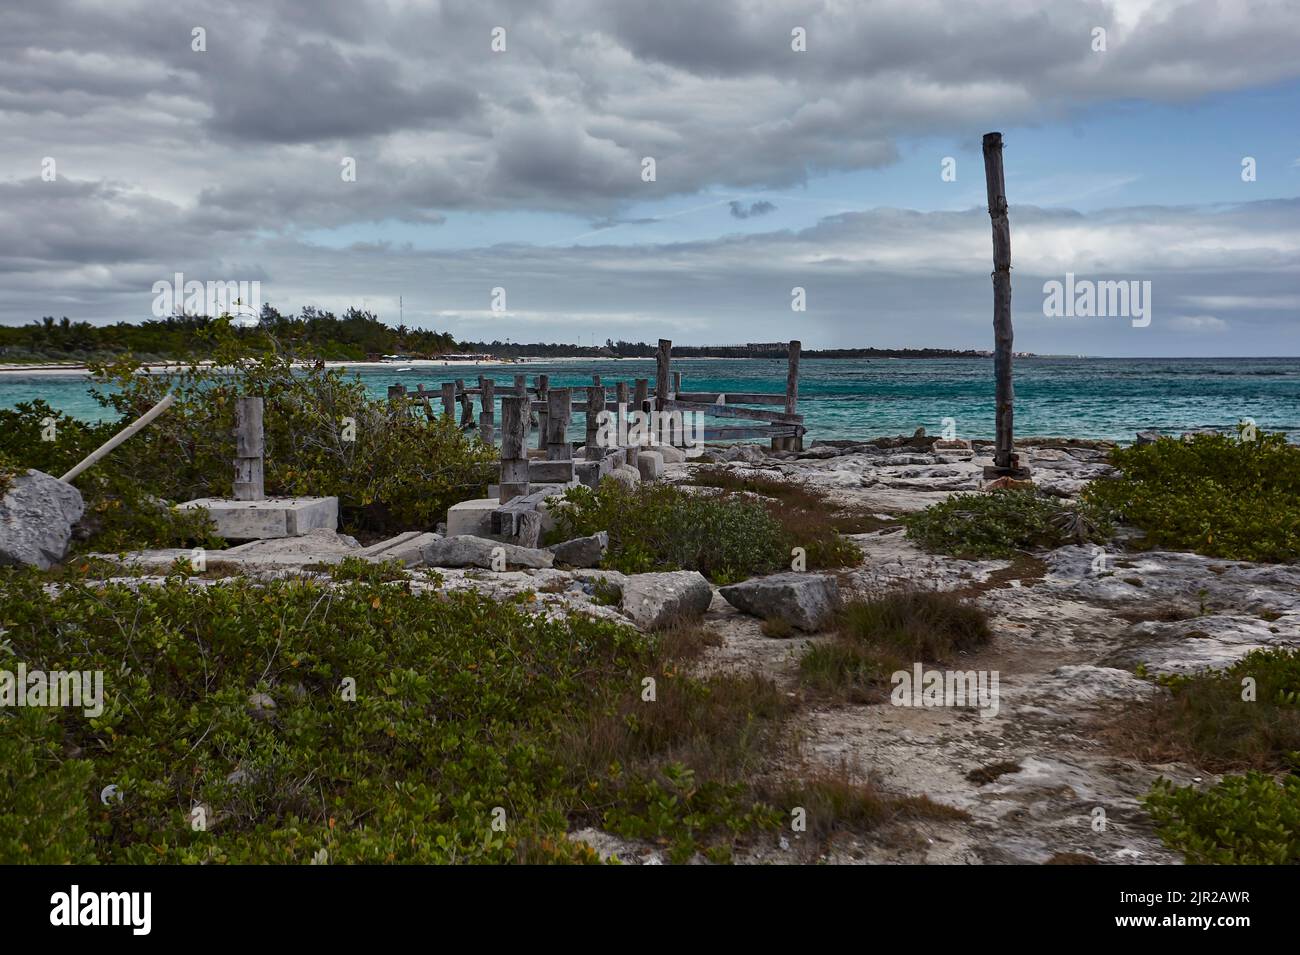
(1147, 437)
(582, 551)
(670, 454)
(806, 601)
(468, 551)
(37, 514)
(655, 601)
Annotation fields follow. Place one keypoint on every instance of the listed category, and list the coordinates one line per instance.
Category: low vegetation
(1213, 494)
(1244, 820)
(881, 635)
(1244, 717)
(324, 436)
(1002, 523)
(727, 537)
(353, 720)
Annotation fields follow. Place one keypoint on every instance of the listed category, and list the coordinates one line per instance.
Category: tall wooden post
(559, 408)
(595, 405)
(250, 449)
(642, 399)
(514, 447)
(662, 360)
(1005, 462)
(486, 419)
(543, 390)
(397, 397)
(466, 406)
(791, 395)
(449, 399)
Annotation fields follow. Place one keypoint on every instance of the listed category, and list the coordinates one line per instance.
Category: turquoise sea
(848, 398)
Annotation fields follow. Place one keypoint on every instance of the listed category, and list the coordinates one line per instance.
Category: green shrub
(462, 704)
(1213, 494)
(43, 817)
(1000, 523)
(123, 508)
(400, 472)
(659, 527)
(1243, 820)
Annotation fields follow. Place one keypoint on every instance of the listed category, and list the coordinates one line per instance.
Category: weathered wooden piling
(514, 447)
(791, 443)
(662, 359)
(449, 399)
(486, 419)
(559, 408)
(250, 448)
(543, 383)
(1005, 462)
(595, 405)
(466, 406)
(642, 400)
(397, 398)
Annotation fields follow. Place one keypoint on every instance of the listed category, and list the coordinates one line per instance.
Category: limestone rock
(37, 514)
(807, 601)
(654, 601)
(582, 551)
(469, 551)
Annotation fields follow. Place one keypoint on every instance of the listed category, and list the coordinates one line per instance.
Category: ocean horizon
(1093, 398)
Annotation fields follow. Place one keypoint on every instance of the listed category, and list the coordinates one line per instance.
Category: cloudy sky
(523, 168)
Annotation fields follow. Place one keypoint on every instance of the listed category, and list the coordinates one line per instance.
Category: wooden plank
(732, 397)
(728, 411)
(724, 434)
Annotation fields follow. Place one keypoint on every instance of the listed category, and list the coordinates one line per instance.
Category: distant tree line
(313, 333)
(355, 336)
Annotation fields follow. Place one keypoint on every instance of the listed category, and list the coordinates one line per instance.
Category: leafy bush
(400, 472)
(122, 510)
(1000, 523)
(1213, 494)
(881, 635)
(462, 704)
(1243, 820)
(658, 527)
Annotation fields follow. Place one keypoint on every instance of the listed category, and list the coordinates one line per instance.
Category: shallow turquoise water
(1087, 398)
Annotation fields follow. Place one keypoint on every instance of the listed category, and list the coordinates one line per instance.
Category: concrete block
(550, 472)
(471, 518)
(272, 517)
(650, 464)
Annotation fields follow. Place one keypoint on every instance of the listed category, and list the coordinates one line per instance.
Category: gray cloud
(221, 161)
(741, 211)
